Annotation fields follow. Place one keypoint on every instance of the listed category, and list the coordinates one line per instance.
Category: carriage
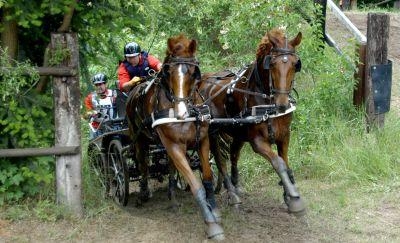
(167, 121)
(111, 159)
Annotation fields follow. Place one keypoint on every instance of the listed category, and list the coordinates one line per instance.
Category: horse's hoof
(145, 195)
(296, 206)
(174, 207)
(215, 232)
(239, 190)
(234, 199)
(217, 215)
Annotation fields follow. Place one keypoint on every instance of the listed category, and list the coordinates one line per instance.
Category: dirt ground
(262, 218)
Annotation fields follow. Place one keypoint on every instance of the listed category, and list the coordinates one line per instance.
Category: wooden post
(358, 94)
(353, 4)
(67, 124)
(377, 51)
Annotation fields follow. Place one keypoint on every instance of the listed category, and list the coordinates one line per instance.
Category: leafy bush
(24, 122)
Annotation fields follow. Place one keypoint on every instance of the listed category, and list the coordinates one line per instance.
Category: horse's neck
(259, 82)
(161, 98)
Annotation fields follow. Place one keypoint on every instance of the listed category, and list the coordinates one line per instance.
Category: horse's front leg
(220, 160)
(204, 154)
(178, 157)
(262, 147)
(283, 149)
(294, 203)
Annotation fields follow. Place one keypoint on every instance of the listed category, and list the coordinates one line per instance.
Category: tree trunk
(397, 4)
(353, 4)
(9, 35)
(65, 26)
(67, 19)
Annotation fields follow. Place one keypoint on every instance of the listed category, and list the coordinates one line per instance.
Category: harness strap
(271, 134)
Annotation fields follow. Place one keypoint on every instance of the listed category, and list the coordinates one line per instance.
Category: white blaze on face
(182, 110)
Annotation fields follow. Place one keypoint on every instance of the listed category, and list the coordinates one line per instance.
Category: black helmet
(131, 49)
(99, 78)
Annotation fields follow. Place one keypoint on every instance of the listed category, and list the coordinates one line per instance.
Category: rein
(239, 77)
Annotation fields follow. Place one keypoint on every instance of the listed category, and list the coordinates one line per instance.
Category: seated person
(135, 66)
(99, 104)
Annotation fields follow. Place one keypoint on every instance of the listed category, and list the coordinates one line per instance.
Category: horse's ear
(173, 46)
(296, 41)
(192, 46)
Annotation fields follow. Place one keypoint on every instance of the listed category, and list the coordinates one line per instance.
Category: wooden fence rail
(26, 152)
(50, 71)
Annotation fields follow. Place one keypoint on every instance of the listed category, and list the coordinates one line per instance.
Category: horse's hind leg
(235, 148)
(172, 184)
(216, 149)
(144, 193)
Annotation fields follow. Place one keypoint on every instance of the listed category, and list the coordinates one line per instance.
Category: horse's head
(181, 72)
(277, 56)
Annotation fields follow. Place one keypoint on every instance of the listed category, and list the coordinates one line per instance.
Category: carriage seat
(120, 102)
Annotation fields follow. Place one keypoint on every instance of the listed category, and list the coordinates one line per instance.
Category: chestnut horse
(164, 111)
(254, 106)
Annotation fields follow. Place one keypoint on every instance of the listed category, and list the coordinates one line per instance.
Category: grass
(349, 184)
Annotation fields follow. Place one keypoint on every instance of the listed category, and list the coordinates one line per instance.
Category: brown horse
(164, 111)
(254, 106)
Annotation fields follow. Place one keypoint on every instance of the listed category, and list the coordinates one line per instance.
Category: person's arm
(89, 107)
(123, 77)
(125, 82)
(154, 63)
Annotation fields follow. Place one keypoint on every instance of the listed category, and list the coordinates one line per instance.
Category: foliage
(24, 122)
(227, 33)
(58, 55)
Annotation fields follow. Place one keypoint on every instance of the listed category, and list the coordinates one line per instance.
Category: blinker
(298, 66)
(267, 62)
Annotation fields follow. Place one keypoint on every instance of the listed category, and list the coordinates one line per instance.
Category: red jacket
(123, 75)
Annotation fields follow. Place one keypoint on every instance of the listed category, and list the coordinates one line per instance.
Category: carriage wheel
(98, 165)
(118, 173)
(217, 176)
(181, 183)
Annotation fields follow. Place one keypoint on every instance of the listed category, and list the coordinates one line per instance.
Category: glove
(90, 114)
(135, 80)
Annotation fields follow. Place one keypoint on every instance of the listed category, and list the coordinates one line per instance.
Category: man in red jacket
(99, 104)
(135, 66)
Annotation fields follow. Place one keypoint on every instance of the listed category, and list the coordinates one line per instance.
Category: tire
(118, 173)
(98, 166)
(217, 177)
(181, 184)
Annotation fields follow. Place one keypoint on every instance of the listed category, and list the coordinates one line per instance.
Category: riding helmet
(99, 78)
(131, 49)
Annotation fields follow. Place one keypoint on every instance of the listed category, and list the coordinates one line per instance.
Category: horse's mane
(265, 45)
